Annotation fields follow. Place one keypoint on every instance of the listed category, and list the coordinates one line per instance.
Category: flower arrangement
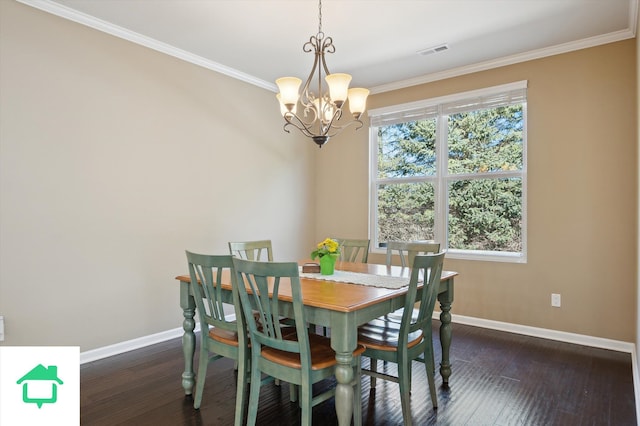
(326, 247)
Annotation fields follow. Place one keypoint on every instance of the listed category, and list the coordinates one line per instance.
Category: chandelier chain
(320, 17)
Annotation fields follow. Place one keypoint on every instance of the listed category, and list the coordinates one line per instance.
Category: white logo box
(39, 385)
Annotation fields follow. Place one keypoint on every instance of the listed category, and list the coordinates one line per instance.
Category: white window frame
(442, 177)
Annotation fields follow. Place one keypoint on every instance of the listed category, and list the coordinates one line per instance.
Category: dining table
(355, 294)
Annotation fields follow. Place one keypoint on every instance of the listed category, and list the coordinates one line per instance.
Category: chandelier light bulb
(289, 91)
(283, 107)
(338, 87)
(358, 101)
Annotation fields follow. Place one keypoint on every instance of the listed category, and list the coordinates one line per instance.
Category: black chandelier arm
(295, 121)
(307, 97)
(328, 130)
(339, 129)
(335, 117)
(311, 45)
(327, 47)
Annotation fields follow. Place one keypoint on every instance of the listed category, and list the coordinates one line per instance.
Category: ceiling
(376, 41)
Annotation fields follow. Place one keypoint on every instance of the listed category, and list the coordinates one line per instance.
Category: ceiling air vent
(435, 49)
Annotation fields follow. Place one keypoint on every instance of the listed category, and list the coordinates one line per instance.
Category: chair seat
(383, 335)
(224, 336)
(380, 323)
(396, 316)
(322, 356)
(231, 337)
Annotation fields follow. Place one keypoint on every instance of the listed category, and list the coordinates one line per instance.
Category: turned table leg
(445, 333)
(188, 338)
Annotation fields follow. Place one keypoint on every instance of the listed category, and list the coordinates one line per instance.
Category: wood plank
(499, 379)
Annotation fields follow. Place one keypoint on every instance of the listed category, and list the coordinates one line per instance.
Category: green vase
(327, 264)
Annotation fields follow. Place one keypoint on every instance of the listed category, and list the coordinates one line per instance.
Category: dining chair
(252, 250)
(354, 250)
(407, 250)
(299, 357)
(260, 250)
(409, 340)
(219, 337)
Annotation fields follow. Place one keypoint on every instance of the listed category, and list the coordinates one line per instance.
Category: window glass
(486, 140)
(485, 214)
(405, 212)
(407, 149)
(453, 169)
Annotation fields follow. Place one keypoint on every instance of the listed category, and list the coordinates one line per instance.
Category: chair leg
(357, 395)
(202, 375)
(241, 393)
(430, 367)
(305, 404)
(405, 391)
(373, 366)
(254, 393)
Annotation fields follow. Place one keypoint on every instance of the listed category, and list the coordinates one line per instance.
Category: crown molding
(633, 17)
(123, 33)
(509, 60)
(109, 28)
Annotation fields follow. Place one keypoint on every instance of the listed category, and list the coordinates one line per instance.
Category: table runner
(360, 278)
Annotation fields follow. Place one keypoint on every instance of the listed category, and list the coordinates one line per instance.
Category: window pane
(486, 214)
(407, 149)
(405, 212)
(486, 140)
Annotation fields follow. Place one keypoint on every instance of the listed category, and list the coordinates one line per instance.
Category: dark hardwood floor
(498, 379)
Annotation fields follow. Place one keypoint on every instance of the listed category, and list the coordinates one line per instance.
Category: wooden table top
(343, 297)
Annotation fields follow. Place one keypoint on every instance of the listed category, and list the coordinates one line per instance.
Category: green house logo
(40, 385)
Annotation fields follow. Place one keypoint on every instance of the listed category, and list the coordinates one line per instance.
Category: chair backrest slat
(427, 269)
(259, 286)
(205, 272)
(354, 250)
(260, 250)
(407, 250)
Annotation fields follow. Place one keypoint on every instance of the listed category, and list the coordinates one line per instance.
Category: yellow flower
(328, 246)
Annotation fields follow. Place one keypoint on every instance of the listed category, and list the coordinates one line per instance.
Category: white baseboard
(130, 345)
(636, 381)
(562, 336)
(579, 339)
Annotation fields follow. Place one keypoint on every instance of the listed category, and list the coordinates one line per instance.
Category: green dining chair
(407, 250)
(297, 357)
(252, 250)
(354, 250)
(409, 340)
(259, 250)
(219, 337)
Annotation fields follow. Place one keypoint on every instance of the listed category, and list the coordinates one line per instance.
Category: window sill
(479, 255)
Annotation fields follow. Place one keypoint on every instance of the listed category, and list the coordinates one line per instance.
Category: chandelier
(321, 110)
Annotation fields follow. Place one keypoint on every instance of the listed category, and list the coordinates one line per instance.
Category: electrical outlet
(555, 300)
(1, 328)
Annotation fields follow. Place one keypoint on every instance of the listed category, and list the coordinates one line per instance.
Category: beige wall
(97, 206)
(582, 195)
(637, 318)
(114, 159)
